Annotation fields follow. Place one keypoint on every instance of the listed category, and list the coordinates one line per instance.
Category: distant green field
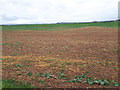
(50, 27)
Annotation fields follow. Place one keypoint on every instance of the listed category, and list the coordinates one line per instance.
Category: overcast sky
(52, 11)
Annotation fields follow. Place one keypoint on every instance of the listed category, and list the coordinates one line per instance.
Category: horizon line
(64, 22)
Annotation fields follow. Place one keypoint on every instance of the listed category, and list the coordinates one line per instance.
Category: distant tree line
(86, 22)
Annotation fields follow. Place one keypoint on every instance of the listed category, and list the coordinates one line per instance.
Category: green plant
(88, 66)
(41, 81)
(26, 66)
(41, 74)
(15, 54)
(11, 45)
(115, 83)
(67, 63)
(107, 63)
(48, 75)
(22, 71)
(115, 67)
(29, 74)
(87, 71)
(65, 77)
(25, 60)
(60, 50)
(19, 74)
(17, 43)
(4, 44)
(20, 65)
(63, 65)
(51, 65)
(89, 81)
(37, 75)
(11, 68)
(17, 69)
(63, 81)
(116, 50)
(50, 51)
(83, 75)
(28, 61)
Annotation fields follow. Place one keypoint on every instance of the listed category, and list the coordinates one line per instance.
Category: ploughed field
(85, 57)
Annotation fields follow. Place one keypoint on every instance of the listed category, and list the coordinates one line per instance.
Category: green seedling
(90, 81)
(16, 65)
(29, 74)
(115, 83)
(4, 44)
(65, 77)
(19, 74)
(116, 50)
(115, 67)
(59, 77)
(28, 61)
(51, 65)
(66, 48)
(22, 71)
(20, 65)
(11, 45)
(57, 73)
(80, 78)
(50, 51)
(67, 63)
(102, 82)
(63, 65)
(107, 82)
(87, 71)
(107, 63)
(26, 66)
(71, 80)
(17, 69)
(75, 79)
(17, 43)
(36, 79)
(88, 66)
(80, 64)
(25, 71)
(41, 74)
(48, 75)
(11, 68)
(37, 75)
(83, 75)
(25, 60)
(63, 81)
(97, 81)
(60, 50)
(41, 82)
(62, 74)
(15, 54)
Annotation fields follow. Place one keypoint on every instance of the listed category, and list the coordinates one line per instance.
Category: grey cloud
(46, 11)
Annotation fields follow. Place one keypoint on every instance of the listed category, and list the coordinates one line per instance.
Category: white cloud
(51, 11)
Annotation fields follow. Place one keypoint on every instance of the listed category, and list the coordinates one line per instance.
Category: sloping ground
(53, 59)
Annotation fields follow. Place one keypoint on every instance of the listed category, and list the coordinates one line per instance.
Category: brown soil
(81, 50)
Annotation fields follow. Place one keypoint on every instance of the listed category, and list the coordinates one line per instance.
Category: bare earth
(81, 50)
